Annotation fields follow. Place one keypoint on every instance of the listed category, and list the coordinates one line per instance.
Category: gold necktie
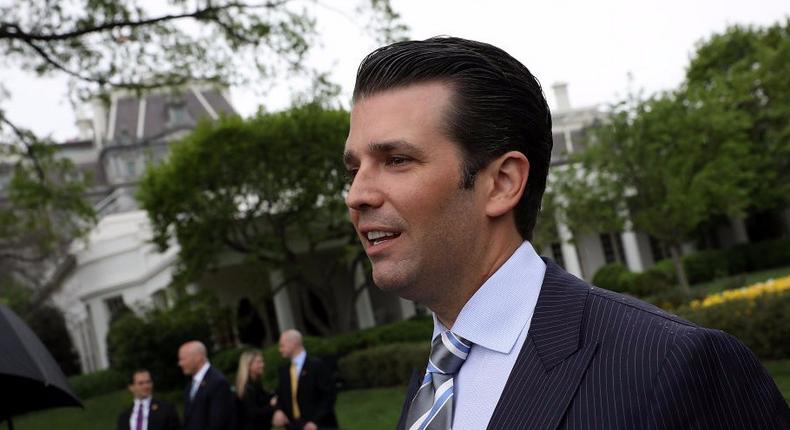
(294, 382)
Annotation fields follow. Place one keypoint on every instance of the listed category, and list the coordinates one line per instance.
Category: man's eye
(350, 173)
(397, 161)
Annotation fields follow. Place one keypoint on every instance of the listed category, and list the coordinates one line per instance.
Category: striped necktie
(432, 406)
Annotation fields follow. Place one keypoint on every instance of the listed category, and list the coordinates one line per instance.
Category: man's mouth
(377, 237)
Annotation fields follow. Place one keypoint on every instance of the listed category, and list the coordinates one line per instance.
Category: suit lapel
(414, 384)
(152, 414)
(552, 361)
(187, 401)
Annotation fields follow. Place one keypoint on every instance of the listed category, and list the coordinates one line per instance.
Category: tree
(667, 164)
(110, 44)
(719, 145)
(105, 45)
(269, 188)
(41, 212)
(46, 321)
(749, 67)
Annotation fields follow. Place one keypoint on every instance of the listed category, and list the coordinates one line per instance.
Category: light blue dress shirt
(299, 362)
(496, 320)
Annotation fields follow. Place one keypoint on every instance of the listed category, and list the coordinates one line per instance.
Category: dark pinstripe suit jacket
(594, 359)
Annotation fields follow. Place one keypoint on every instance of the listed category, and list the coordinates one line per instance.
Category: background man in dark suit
(448, 155)
(311, 405)
(208, 400)
(147, 413)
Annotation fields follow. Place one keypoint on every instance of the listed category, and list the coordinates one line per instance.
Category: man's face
(142, 385)
(189, 361)
(416, 223)
(287, 346)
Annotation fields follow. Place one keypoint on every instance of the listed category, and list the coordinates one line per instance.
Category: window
(658, 249)
(131, 168)
(159, 299)
(177, 114)
(612, 244)
(556, 251)
(559, 150)
(124, 138)
(579, 140)
(115, 307)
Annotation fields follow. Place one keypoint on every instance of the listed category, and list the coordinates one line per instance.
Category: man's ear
(508, 175)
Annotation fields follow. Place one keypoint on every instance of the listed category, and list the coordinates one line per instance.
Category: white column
(739, 230)
(633, 258)
(282, 302)
(407, 308)
(101, 322)
(363, 304)
(569, 254)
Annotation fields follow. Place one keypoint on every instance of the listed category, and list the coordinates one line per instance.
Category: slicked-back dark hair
(497, 105)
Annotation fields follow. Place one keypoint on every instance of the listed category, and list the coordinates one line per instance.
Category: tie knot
(448, 353)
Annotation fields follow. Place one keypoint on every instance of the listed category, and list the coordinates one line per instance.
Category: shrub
(152, 342)
(706, 265)
(613, 277)
(384, 365)
(758, 315)
(768, 254)
(227, 360)
(98, 383)
(656, 280)
(748, 257)
(674, 298)
(333, 349)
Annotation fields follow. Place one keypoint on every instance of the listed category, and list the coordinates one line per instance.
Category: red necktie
(139, 425)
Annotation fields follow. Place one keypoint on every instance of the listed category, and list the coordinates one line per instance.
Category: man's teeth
(375, 235)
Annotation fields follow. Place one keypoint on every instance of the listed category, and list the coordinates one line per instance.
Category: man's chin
(397, 285)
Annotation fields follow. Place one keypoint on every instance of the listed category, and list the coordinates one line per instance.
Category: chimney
(561, 96)
(84, 125)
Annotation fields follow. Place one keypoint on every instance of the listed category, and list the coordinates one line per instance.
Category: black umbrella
(30, 379)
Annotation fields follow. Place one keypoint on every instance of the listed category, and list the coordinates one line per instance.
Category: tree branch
(14, 32)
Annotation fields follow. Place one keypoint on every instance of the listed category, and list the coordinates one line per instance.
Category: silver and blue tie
(432, 406)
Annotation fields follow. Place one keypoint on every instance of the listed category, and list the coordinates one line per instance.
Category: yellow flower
(751, 292)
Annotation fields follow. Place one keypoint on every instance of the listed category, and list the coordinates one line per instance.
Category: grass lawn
(377, 408)
(780, 370)
(357, 410)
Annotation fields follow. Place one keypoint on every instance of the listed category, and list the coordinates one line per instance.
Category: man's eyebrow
(385, 147)
(388, 146)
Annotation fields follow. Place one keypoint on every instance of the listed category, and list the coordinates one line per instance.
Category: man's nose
(365, 191)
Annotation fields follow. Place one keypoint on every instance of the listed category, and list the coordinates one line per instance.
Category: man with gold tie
(306, 392)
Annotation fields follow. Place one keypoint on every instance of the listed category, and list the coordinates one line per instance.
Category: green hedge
(384, 365)
(152, 342)
(762, 323)
(616, 277)
(748, 257)
(333, 349)
(97, 383)
(700, 267)
(613, 277)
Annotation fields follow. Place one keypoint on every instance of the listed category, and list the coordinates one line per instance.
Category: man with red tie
(147, 413)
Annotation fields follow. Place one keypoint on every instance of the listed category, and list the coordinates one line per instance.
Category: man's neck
(450, 306)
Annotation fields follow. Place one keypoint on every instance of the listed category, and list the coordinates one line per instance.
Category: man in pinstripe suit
(448, 154)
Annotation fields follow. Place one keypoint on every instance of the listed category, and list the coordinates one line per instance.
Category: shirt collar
(146, 401)
(201, 373)
(299, 359)
(497, 313)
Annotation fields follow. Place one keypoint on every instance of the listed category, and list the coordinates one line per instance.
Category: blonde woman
(256, 409)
